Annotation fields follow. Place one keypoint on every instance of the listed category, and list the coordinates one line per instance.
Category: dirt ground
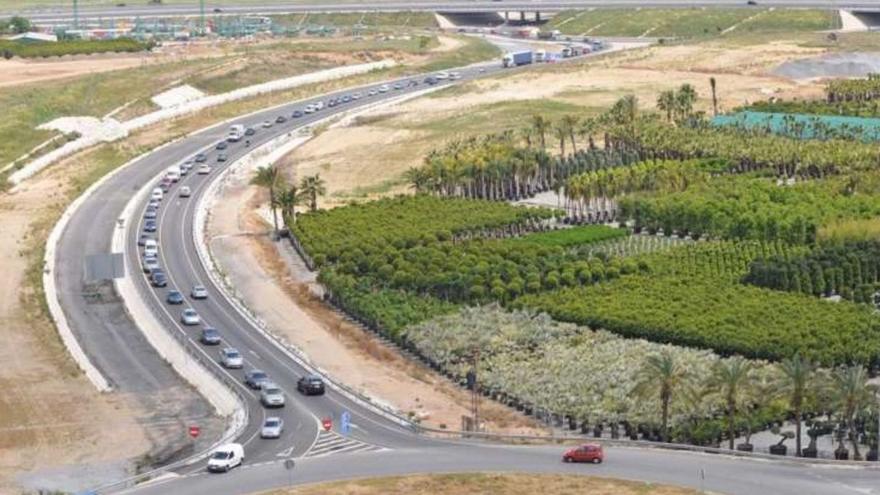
(370, 154)
(50, 414)
(241, 246)
(487, 484)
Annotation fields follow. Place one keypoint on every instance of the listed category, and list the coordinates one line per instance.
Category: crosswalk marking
(333, 443)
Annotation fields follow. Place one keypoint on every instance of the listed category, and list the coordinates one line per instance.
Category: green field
(690, 22)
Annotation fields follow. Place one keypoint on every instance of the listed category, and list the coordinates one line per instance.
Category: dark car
(221, 145)
(221, 157)
(280, 119)
(332, 102)
(398, 85)
(201, 158)
(150, 226)
(250, 131)
(431, 80)
(158, 278)
(346, 99)
(150, 213)
(297, 114)
(174, 297)
(210, 336)
(310, 385)
(256, 378)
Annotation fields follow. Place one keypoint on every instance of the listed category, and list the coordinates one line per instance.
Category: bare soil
(240, 243)
(487, 484)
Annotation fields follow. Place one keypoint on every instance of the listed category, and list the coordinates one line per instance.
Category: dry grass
(487, 484)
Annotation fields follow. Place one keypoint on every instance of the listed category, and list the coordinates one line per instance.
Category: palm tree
(287, 200)
(313, 186)
(685, 98)
(661, 373)
(586, 130)
(561, 134)
(730, 378)
(712, 83)
(795, 381)
(570, 124)
(666, 103)
(418, 178)
(541, 126)
(850, 394)
(625, 110)
(268, 177)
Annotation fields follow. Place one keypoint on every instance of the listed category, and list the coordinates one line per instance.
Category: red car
(588, 452)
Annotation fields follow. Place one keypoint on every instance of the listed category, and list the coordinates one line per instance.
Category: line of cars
(271, 394)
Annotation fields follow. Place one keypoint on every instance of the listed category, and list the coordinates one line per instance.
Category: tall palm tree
(541, 126)
(685, 99)
(712, 84)
(268, 177)
(850, 394)
(570, 124)
(561, 134)
(418, 179)
(313, 186)
(795, 381)
(586, 129)
(730, 378)
(661, 373)
(666, 103)
(287, 200)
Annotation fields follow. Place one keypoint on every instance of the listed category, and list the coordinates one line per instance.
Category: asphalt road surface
(65, 13)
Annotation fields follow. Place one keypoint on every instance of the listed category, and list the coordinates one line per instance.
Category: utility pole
(75, 14)
(202, 16)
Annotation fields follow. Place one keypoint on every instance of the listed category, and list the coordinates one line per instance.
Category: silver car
(271, 395)
(150, 263)
(190, 317)
(272, 427)
(231, 358)
(199, 292)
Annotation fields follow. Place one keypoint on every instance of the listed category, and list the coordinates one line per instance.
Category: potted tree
(812, 451)
(780, 448)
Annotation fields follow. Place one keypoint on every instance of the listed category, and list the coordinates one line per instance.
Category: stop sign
(194, 431)
(327, 423)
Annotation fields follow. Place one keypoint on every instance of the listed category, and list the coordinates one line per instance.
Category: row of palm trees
(854, 89)
(286, 196)
(677, 105)
(844, 390)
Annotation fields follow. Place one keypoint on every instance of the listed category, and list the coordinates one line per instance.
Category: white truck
(173, 173)
(515, 59)
(236, 132)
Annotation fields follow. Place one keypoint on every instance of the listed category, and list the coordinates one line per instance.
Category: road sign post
(289, 464)
(345, 423)
(327, 423)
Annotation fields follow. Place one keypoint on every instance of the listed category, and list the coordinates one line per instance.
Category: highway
(133, 10)
(375, 445)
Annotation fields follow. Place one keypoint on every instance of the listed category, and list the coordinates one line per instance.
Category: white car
(151, 248)
(442, 76)
(226, 457)
(309, 108)
(190, 317)
(199, 292)
(272, 427)
(185, 192)
(157, 194)
(271, 395)
(384, 88)
(150, 263)
(231, 358)
(356, 96)
(319, 105)
(267, 123)
(204, 169)
(455, 75)
(373, 92)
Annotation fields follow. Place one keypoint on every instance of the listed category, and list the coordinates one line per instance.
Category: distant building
(33, 37)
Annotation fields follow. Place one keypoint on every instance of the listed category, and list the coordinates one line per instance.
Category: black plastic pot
(872, 455)
(746, 447)
(841, 453)
(810, 452)
(778, 449)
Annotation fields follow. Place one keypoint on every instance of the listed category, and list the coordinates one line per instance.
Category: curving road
(131, 11)
(376, 445)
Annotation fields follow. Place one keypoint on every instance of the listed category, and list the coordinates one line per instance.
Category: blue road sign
(345, 423)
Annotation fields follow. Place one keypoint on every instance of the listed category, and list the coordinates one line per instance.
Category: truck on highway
(515, 59)
(549, 35)
(236, 132)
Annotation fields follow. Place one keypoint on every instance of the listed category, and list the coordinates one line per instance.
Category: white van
(156, 194)
(173, 173)
(236, 132)
(319, 105)
(226, 457)
(151, 247)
